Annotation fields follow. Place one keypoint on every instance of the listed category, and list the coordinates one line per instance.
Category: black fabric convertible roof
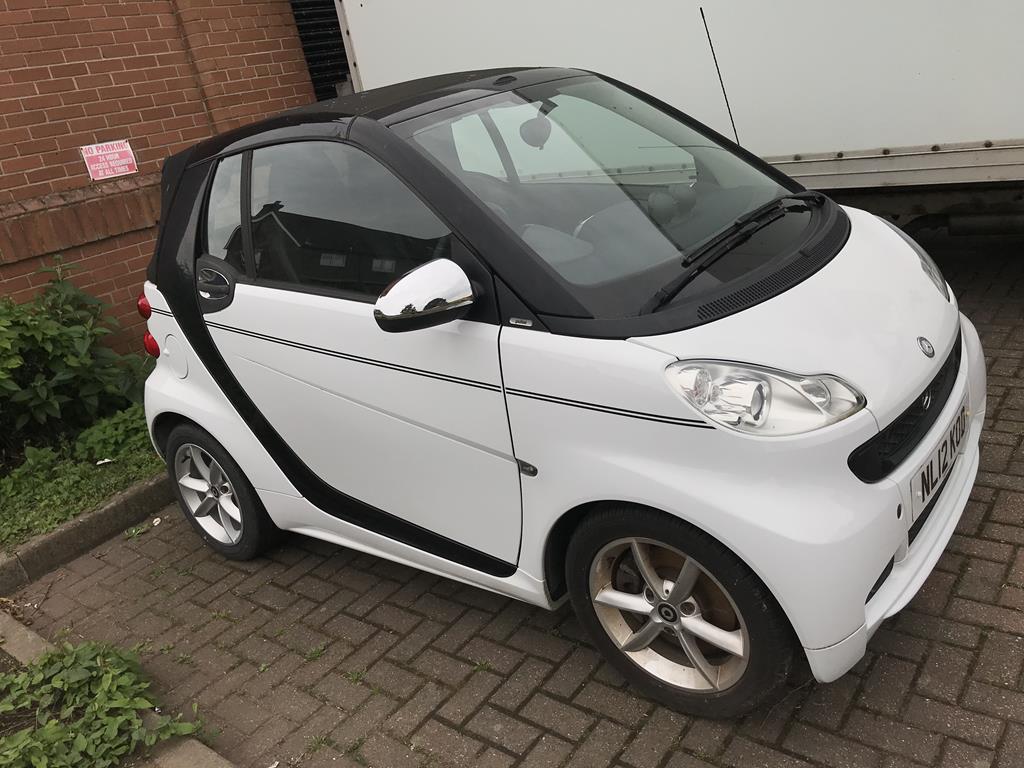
(380, 103)
(390, 103)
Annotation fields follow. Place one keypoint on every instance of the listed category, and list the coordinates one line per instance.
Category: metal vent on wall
(322, 44)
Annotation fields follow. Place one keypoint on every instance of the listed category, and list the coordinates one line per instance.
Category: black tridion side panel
(170, 177)
(176, 277)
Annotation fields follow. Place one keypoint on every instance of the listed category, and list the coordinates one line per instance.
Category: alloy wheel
(669, 615)
(208, 493)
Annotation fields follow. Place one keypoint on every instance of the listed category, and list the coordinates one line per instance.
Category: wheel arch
(557, 543)
(163, 424)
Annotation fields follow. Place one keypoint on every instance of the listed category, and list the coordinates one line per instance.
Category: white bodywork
(819, 89)
(443, 455)
(428, 450)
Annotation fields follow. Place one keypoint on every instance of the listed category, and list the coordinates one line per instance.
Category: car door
(409, 426)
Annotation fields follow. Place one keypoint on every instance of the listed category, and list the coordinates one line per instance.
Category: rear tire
(215, 496)
(682, 618)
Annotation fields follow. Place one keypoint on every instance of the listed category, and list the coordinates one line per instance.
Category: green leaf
(85, 729)
(21, 396)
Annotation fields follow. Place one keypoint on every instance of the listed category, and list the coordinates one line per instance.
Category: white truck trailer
(872, 95)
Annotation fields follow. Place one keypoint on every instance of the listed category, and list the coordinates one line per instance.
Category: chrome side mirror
(431, 294)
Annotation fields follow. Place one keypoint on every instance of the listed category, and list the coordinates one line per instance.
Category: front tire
(216, 497)
(678, 614)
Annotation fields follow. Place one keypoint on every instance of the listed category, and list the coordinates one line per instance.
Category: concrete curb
(42, 554)
(25, 645)
(184, 753)
(20, 641)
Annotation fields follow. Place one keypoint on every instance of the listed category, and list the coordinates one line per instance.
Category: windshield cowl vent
(811, 259)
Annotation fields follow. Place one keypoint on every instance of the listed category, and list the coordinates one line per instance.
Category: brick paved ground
(328, 657)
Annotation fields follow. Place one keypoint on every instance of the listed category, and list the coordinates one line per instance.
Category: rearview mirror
(431, 294)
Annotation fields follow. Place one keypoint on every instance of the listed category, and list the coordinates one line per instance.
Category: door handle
(214, 290)
(213, 284)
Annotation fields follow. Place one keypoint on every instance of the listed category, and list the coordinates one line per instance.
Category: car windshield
(607, 189)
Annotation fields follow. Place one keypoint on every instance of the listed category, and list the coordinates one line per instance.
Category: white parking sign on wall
(110, 159)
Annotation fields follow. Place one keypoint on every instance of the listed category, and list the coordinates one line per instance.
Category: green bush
(54, 484)
(78, 706)
(55, 376)
(122, 434)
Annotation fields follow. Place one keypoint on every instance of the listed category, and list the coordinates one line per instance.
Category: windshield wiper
(707, 253)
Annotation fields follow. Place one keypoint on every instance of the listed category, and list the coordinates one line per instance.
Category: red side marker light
(152, 348)
(145, 310)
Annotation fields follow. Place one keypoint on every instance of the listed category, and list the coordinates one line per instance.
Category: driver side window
(327, 215)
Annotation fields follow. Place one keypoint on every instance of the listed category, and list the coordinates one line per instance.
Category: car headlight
(927, 263)
(763, 401)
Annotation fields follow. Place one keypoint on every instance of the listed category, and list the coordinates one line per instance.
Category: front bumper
(913, 562)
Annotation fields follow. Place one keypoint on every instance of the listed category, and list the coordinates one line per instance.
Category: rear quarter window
(224, 213)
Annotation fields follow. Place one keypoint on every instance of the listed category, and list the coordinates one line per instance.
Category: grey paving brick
(364, 721)
(943, 718)
(500, 658)
(683, 760)
(414, 642)
(827, 704)
(830, 750)
(443, 741)
(542, 644)
(956, 754)
(564, 719)
(342, 691)
(393, 679)
(1003, 703)
(570, 674)
(600, 747)
(706, 737)
(893, 736)
(503, 730)
(380, 749)
(618, 705)
(1012, 748)
(549, 752)
(655, 739)
(518, 686)
(417, 709)
(1001, 659)
(944, 673)
(743, 753)
(469, 696)
(444, 668)
(887, 685)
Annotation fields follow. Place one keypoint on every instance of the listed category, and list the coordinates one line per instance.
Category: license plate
(928, 478)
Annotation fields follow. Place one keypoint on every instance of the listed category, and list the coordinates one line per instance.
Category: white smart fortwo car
(539, 332)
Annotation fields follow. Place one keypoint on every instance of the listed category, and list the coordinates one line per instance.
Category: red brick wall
(161, 73)
(248, 58)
